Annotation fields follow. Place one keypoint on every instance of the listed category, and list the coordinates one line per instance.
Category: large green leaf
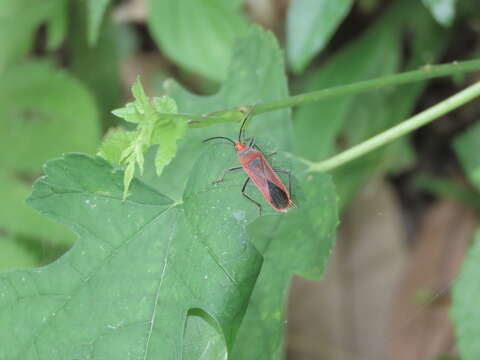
(309, 26)
(198, 35)
(137, 269)
(43, 113)
(18, 21)
(464, 312)
(256, 74)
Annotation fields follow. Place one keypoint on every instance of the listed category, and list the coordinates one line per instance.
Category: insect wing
(267, 182)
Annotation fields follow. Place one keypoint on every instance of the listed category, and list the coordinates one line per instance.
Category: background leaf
(374, 112)
(215, 23)
(96, 10)
(18, 21)
(464, 311)
(372, 54)
(43, 112)
(442, 10)
(466, 146)
(309, 26)
(97, 66)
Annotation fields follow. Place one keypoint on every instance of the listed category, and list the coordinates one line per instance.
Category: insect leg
(289, 178)
(225, 173)
(249, 198)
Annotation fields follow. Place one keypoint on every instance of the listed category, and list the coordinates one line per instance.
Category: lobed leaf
(151, 129)
(124, 287)
(255, 74)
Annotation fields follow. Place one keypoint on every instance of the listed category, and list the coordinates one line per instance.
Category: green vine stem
(397, 131)
(425, 73)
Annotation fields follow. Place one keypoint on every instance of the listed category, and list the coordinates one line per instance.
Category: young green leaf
(310, 24)
(465, 313)
(215, 23)
(137, 269)
(151, 129)
(115, 141)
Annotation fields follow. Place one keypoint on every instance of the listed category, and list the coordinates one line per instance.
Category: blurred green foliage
(187, 263)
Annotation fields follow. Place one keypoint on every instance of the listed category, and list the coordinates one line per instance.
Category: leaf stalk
(399, 130)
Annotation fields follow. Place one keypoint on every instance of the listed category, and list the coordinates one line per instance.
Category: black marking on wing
(278, 196)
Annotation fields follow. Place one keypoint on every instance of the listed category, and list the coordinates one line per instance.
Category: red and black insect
(259, 171)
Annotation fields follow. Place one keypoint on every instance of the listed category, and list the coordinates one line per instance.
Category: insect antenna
(220, 137)
(247, 116)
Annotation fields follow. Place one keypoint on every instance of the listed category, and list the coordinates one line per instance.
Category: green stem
(425, 73)
(401, 129)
